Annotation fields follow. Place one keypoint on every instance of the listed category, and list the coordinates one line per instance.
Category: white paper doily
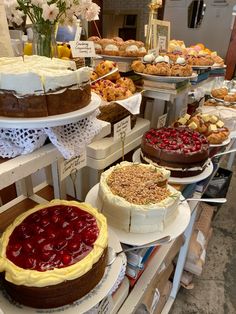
(69, 139)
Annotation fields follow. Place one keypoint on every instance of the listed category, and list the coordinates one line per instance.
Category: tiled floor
(215, 290)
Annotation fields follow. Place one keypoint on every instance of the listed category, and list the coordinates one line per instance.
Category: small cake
(181, 68)
(181, 150)
(54, 254)
(39, 86)
(136, 197)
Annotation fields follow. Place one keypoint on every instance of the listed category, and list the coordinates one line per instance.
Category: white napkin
(132, 104)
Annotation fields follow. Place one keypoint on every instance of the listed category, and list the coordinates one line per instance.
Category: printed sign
(162, 121)
(76, 163)
(122, 128)
(82, 49)
(162, 43)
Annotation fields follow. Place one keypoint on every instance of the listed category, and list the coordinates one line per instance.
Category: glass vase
(44, 40)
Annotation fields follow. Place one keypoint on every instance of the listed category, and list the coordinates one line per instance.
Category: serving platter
(224, 143)
(52, 121)
(119, 58)
(167, 79)
(223, 101)
(112, 273)
(188, 180)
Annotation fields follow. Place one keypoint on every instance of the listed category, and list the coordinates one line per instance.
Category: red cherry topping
(54, 237)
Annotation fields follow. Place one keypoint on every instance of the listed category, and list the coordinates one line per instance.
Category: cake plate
(105, 286)
(174, 229)
(51, 121)
(188, 180)
(210, 67)
(167, 79)
(226, 142)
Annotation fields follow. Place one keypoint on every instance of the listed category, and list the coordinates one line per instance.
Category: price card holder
(162, 121)
(67, 167)
(122, 128)
(154, 51)
(106, 305)
(82, 49)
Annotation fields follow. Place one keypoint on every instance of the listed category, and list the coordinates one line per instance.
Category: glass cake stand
(173, 229)
(51, 121)
(105, 286)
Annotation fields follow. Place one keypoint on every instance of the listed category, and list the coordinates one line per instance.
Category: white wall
(215, 29)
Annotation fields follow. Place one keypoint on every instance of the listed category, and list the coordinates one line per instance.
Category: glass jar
(44, 40)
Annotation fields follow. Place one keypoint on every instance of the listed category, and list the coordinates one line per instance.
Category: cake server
(224, 153)
(112, 254)
(209, 200)
(105, 75)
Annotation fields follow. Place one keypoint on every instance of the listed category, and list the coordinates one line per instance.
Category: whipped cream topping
(159, 59)
(180, 60)
(149, 58)
(132, 48)
(111, 47)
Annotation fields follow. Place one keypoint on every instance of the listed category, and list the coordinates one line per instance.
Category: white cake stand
(174, 229)
(83, 305)
(187, 180)
(51, 121)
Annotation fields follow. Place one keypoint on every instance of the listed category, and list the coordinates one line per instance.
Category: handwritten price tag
(122, 127)
(162, 121)
(68, 166)
(82, 49)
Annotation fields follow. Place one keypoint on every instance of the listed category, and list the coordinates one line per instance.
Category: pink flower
(50, 12)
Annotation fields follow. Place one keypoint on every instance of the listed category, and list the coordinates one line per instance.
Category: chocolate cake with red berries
(181, 150)
(53, 254)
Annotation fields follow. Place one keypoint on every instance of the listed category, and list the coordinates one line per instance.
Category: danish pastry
(138, 66)
(219, 92)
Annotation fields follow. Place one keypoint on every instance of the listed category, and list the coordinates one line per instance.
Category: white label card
(155, 300)
(201, 239)
(106, 305)
(82, 49)
(73, 164)
(162, 43)
(162, 121)
(154, 51)
(122, 128)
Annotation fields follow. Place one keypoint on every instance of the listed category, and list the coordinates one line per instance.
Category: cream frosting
(180, 60)
(149, 58)
(132, 217)
(132, 48)
(37, 75)
(159, 59)
(27, 277)
(111, 47)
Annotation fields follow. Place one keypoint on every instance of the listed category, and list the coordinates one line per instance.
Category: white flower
(88, 10)
(38, 3)
(50, 12)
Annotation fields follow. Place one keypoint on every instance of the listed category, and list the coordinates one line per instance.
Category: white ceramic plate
(223, 101)
(188, 180)
(167, 79)
(87, 302)
(226, 142)
(174, 229)
(119, 58)
(204, 67)
(51, 121)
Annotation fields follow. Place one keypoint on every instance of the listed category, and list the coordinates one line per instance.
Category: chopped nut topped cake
(136, 197)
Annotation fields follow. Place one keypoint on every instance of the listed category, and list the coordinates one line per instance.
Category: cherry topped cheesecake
(54, 254)
(181, 150)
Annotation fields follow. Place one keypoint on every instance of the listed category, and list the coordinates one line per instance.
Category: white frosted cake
(136, 197)
(38, 86)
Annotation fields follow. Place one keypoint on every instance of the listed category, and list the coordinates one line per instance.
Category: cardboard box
(153, 294)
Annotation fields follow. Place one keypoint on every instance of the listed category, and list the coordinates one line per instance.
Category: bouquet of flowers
(45, 14)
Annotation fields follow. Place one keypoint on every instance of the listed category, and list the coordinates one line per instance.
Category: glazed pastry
(126, 82)
(219, 92)
(218, 136)
(138, 66)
